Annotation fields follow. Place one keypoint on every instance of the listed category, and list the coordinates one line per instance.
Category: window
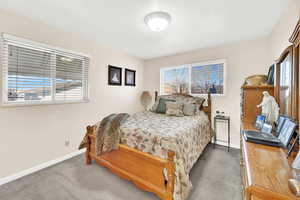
(175, 80)
(195, 79)
(34, 73)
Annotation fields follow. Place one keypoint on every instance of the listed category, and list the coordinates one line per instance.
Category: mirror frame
(295, 40)
(294, 83)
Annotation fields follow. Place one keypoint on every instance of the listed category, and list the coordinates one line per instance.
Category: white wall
(243, 59)
(33, 135)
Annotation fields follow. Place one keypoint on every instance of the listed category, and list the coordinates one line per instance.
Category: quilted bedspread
(157, 133)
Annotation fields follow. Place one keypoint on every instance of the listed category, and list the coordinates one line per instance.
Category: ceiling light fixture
(158, 21)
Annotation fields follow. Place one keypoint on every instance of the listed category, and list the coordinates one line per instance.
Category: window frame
(189, 66)
(7, 39)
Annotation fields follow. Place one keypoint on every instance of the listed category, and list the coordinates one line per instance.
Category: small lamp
(146, 99)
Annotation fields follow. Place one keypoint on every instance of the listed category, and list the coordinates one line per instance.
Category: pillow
(174, 109)
(161, 107)
(199, 101)
(154, 107)
(189, 109)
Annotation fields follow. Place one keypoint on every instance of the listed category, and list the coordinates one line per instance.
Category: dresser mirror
(285, 83)
(295, 40)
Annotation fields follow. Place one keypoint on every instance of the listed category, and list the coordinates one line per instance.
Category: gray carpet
(216, 176)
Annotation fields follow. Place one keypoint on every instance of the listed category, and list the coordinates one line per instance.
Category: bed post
(171, 171)
(156, 95)
(88, 148)
(209, 105)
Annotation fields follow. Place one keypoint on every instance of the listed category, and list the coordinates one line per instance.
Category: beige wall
(279, 38)
(243, 59)
(33, 135)
(37, 134)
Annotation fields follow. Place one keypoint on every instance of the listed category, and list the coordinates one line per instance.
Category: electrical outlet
(67, 143)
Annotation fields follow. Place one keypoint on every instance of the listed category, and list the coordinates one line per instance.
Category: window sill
(42, 103)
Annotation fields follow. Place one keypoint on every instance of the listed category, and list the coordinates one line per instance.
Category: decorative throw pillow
(154, 107)
(174, 109)
(161, 107)
(189, 109)
(199, 101)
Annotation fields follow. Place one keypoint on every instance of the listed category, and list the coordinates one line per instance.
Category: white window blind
(34, 73)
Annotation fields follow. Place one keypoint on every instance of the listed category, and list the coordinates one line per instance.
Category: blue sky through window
(214, 74)
(171, 75)
(194, 78)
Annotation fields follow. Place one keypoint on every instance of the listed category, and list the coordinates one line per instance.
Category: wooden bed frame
(143, 169)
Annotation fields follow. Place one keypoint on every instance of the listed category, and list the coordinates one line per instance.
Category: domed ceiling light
(158, 21)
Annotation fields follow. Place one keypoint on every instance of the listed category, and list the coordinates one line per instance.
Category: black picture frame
(114, 75)
(279, 123)
(129, 73)
(286, 132)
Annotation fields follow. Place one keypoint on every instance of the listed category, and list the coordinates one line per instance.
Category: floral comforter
(157, 133)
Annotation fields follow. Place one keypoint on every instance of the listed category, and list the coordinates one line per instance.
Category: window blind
(34, 73)
(70, 78)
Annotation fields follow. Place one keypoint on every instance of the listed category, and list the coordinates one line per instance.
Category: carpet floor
(216, 176)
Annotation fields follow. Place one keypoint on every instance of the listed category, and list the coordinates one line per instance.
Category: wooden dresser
(265, 171)
(251, 96)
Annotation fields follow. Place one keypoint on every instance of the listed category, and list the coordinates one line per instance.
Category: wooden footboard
(143, 169)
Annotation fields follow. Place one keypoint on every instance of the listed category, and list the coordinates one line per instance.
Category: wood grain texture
(291, 88)
(144, 170)
(251, 97)
(295, 37)
(266, 170)
(88, 148)
(207, 109)
(295, 40)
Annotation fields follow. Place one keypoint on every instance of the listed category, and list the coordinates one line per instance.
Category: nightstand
(225, 119)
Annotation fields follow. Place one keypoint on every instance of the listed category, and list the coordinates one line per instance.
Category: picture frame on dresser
(279, 123)
(260, 120)
(287, 131)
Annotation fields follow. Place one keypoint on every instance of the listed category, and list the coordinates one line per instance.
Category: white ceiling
(119, 23)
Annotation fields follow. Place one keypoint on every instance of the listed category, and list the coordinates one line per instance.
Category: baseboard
(39, 167)
(226, 144)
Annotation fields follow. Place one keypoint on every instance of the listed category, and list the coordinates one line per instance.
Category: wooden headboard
(206, 109)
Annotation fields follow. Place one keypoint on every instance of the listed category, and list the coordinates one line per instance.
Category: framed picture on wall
(130, 77)
(114, 75)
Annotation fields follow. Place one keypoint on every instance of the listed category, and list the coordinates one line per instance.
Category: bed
(156, 152)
